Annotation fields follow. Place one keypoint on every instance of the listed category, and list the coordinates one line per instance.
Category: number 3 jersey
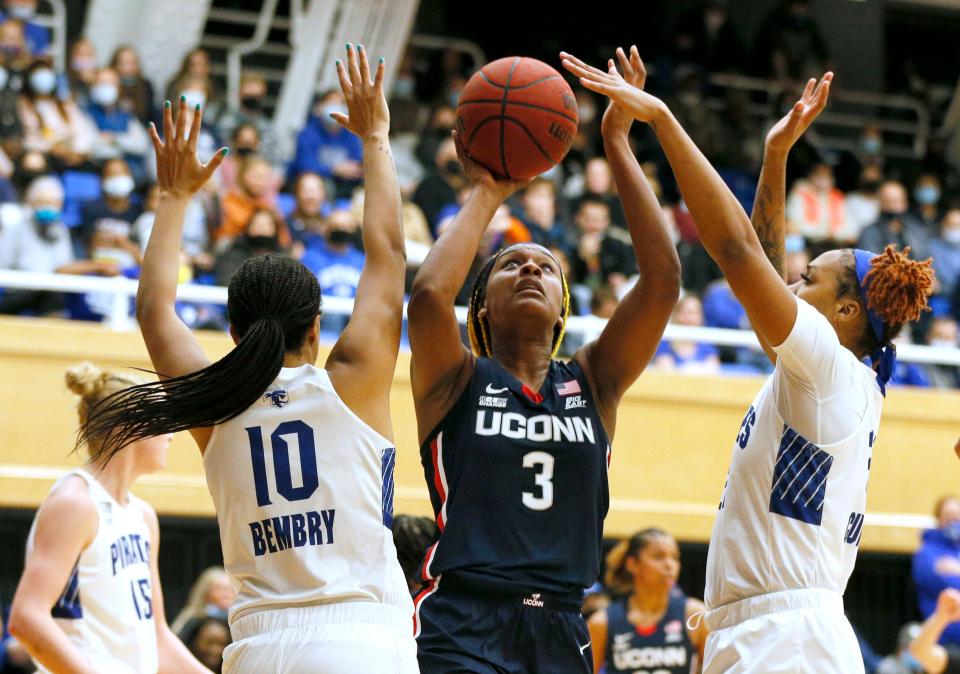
(106, 608)
(304, 496)
(518, 483)
(792, 511)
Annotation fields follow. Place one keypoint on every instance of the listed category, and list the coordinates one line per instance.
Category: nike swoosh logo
(585, 647)
(495, 391)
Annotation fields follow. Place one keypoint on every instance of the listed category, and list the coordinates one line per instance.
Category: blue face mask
(952, 531)
(911, 662)
(47, 216)
(927, 195)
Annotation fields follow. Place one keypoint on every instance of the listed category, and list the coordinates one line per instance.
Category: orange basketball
(517, 117)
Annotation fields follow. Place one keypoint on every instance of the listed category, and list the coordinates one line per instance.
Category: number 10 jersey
(303, 490)
(518, 483)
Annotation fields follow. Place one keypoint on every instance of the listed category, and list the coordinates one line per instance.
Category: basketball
(517, 117)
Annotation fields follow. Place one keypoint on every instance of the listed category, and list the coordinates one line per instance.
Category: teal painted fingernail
(359, 47)
(226, 151)
(183, 99)
(198, 107)
(166, 104)
(349, 46)
(381, 59)
(339, 62)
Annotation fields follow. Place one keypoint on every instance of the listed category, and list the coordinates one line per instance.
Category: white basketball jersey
(304, 494)
(792, 511)
(106, 608)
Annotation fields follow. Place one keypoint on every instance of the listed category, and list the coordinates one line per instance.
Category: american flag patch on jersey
(569, 388)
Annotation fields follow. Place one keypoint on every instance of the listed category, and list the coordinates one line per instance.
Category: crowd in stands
(78, 193)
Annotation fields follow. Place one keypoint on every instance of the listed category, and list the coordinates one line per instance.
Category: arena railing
(56, 21)
(122, 291)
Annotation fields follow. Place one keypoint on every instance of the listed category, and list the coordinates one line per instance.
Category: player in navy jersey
(646, 630)
(515, 444)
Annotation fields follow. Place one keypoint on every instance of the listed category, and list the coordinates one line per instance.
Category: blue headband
(884, 358)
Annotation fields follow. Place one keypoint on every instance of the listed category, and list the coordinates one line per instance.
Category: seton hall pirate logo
(277, 398)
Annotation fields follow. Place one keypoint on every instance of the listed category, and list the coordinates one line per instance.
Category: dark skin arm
(768, 207)
(630, 338)
(440, 365)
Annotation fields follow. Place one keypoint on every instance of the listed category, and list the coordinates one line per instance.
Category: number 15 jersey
(518, 483)
(303, 490)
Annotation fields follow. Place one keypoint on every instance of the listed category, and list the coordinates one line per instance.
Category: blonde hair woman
(89, 599)
(211, 594)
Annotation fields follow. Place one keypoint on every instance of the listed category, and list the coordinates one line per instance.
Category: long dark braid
(478, 330)
(272, 302)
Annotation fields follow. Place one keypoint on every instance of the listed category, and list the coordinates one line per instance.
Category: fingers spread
(195, 128)
(181, 120)
(625, 64)
(583, 66)
(167, 122)
(214, 163)
(345, 85)
(341, 119)
(353, 67)
(381, 70)
(157, 143)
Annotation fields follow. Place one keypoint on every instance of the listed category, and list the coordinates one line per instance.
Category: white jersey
(106, 608)
(304, 493)
(792, 510)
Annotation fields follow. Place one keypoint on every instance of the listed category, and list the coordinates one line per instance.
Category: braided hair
(478, 330)
(897, 289)
(272, 302)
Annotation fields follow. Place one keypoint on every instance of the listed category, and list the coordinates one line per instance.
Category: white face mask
(118, 186)
(104, 94)
(43, 81)
(942, 342)
(951, 236)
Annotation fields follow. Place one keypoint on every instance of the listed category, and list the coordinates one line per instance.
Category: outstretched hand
(638, 103)
(367, 112)
(483, 177)
(179, 171)
(788, 130)
(617, 119)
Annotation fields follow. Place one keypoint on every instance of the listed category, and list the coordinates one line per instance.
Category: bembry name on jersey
(129, 549)
(276, 534)
(540, 428)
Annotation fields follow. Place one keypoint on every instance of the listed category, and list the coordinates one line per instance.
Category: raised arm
(724, 227)
(173, 348)
(768, 207)
(440, 364)
(924, 647)
(629, 340)
(362, 362)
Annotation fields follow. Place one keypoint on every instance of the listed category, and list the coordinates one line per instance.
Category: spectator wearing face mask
(13, 46)
(106, 224)
(863, 204)
(136, 91)
(895, 225)
(926, 198)
(326, 148)
(34, 239)
(439, 187)
(817, 208)
(902, 661)
(244, 143)
(121, 134)
(195, 72)
(260, 237)
(943, 333)
(945, 250)
(252, 111)
(82, 70)
(37, 37)
(936, 564)
(336, 261)
(52, 125)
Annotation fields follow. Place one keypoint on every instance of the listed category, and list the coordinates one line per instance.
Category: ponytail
(272, 302)
(617, 578)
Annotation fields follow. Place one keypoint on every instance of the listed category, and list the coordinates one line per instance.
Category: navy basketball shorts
(460, 633)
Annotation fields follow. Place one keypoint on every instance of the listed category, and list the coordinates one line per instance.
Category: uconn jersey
(518, 483)
(106, 608)
(663, 649)
(792, 511)
(304, 494)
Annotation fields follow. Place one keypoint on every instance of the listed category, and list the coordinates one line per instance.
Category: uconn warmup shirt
(792, 510)
(518, 482)
(106, 609)
(304, 496)
(665, 648)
